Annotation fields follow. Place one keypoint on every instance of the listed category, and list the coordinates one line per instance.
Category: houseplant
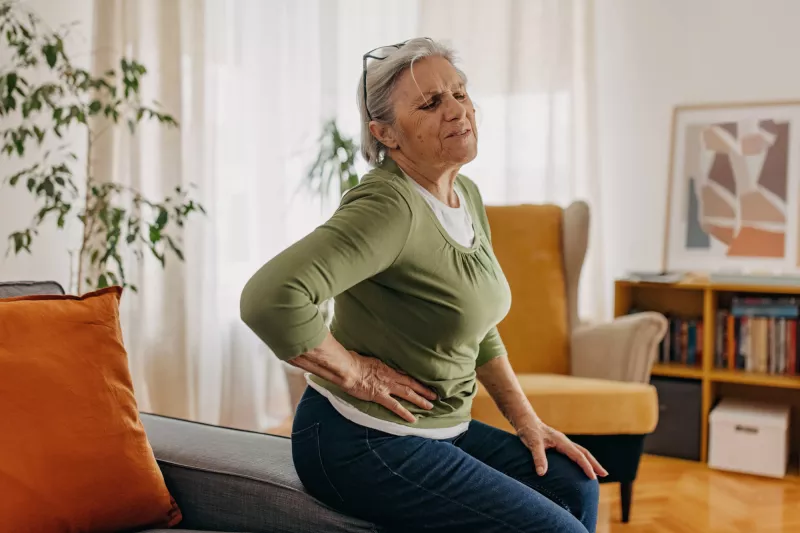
(44, 95)
(333, 171)
(331, 175)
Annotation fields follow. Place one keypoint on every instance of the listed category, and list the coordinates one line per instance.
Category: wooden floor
(674, 496)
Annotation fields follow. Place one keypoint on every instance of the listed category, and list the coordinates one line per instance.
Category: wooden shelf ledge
(677, 371)
(755, 378)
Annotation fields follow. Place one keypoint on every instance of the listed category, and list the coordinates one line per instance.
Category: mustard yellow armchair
(588, 381)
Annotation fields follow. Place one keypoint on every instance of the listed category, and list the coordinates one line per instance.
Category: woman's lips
(460, 133)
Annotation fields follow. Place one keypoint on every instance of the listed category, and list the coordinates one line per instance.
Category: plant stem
(87, 220)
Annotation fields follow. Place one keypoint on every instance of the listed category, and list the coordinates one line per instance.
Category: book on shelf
(683, 342)
(759, 335)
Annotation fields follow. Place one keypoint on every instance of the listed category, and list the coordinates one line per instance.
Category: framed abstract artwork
(734, 181)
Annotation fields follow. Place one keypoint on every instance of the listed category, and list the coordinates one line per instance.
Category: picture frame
(733, 197)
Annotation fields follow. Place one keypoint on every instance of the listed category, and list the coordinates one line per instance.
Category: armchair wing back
(528, 242)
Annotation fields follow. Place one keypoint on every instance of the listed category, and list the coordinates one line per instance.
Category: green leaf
(11, 81)
(17, 237)
(161, 221)
(95, 106)
(47, 187)
(102, 281)
(155, 234)
(50, 52)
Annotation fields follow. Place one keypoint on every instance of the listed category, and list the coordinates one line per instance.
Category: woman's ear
(384, 133)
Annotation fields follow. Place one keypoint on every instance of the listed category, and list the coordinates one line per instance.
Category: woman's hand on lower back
(372, 380)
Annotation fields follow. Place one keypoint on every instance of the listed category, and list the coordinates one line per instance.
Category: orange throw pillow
(74, 456)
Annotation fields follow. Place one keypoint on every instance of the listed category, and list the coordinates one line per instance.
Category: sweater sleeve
(490, 347)
(364, 236)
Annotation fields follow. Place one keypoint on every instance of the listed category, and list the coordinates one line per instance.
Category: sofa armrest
(238, 481)
(622, 350)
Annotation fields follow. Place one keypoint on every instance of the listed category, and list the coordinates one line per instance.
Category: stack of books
(759, 335)
(683, 343)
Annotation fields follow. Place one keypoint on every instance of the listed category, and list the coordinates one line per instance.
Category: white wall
(651, 56)
(49, 259)
(655, 54)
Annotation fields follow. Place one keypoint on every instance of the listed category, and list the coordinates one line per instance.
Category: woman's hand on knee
(374, 381)
(539, 437)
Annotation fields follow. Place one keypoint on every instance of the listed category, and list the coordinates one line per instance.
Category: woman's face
(434, 116)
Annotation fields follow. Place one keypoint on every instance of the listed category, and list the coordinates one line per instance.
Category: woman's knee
(583, 500)
(587, 494)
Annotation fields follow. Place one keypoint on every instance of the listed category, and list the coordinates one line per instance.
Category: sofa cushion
(233, 480)
(580, 406)
(76, 454)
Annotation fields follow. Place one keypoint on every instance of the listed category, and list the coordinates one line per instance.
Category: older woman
(383, 432)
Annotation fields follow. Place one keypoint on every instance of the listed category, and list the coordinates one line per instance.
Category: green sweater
(405, 292)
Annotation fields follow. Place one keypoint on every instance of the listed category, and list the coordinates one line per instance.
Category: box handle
(746, 429)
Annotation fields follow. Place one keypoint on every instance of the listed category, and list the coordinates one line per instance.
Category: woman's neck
(438, 181)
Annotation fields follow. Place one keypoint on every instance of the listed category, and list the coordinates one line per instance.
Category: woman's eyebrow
(427, 95)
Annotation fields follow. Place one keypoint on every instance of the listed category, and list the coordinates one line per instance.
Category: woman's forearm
(500, 381)
(330, 360)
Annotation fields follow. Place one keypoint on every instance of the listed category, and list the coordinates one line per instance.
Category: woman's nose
(453, 109)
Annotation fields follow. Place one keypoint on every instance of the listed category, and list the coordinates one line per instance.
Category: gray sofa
(227, 480)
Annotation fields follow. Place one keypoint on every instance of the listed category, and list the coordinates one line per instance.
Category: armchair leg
(625, 493)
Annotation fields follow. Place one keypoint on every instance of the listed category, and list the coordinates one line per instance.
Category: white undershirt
(457, 222)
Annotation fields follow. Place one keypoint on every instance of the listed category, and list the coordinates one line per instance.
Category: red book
(731, 342)
(791, 346)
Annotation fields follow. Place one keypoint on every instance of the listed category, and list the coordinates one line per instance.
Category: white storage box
(749, 437)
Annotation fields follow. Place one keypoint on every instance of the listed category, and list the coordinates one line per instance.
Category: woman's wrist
(523, 416)
(331, 361)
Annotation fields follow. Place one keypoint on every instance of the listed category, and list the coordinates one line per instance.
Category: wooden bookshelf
(698, 297)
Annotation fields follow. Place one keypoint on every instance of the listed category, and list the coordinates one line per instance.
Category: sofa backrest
(9, 289)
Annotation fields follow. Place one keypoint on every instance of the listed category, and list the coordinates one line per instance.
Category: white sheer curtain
(251, 82)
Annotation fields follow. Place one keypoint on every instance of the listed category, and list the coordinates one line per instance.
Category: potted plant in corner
(44, 95)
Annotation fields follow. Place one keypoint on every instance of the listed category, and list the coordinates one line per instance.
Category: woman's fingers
(393, 405)
(539, 454)
(416, 386)
(596, 466)
(569, 449)
(407, 393)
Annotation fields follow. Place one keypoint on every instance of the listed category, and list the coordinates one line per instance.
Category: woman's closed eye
(434, 101)
(431, 104)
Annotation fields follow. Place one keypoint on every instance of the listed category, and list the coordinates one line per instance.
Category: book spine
(791, 346)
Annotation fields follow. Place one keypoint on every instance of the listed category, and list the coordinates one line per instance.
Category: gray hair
(381, 76)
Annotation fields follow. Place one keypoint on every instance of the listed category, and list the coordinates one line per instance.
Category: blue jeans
(482, 480)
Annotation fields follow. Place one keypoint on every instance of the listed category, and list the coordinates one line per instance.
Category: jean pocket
(303, 435)
(308, 463)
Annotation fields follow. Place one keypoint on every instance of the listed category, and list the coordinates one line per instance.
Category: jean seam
(305, 400)
(552, 496)
(322, 465)
(375, 453)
